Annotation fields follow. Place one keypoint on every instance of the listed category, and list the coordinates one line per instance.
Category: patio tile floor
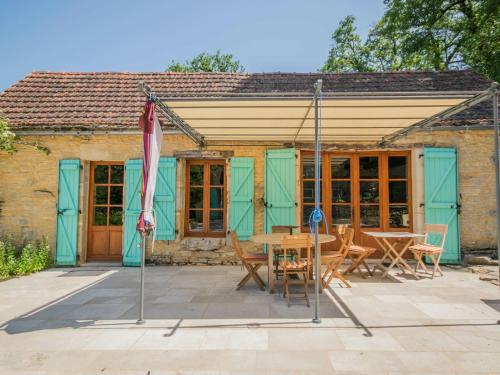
(82, 321)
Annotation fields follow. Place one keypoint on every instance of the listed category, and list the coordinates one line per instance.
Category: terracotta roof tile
(113, 100)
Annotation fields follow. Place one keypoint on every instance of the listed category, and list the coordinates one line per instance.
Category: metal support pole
(143, 261)
(494, 95)
(317, 188)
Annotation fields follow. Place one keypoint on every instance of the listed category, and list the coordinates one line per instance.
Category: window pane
(341, 167)
(369, 217)
(216, 175)
(306, 212)
(397, 166)
(115, 216)
(308, 167)
(368, 192)
(216, 220)
(101, 174)
(398, 217)
(216, 198)
(308, 191)
(196, 197)
(196, 220)
(397, 192)
(341, 191)
(341, 215)
(101, 195)
(100, 216)
(368, 167)
(117, 174)
(116, 194)
(196, 174)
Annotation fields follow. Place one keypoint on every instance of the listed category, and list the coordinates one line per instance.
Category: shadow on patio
(171, 293)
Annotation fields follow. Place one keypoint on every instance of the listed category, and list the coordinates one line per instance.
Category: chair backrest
(346, 239)
(235, 244)
(297, 241)
(341, 229)
(440, 229)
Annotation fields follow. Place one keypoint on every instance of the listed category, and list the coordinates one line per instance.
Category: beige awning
(347, 117)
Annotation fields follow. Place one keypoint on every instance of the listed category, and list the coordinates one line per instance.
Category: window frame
(383, 180)
(206, 232)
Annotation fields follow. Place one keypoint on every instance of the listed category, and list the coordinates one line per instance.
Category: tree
(424, 35)
(7, 137)
(205, 62)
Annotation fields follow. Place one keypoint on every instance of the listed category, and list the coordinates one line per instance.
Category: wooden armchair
(251, 262)
(434, 252)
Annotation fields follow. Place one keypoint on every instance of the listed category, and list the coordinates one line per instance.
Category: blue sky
(112, 35)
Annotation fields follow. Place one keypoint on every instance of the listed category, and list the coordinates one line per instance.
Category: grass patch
(33, 257)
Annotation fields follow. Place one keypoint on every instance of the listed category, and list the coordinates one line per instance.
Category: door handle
(61, 212)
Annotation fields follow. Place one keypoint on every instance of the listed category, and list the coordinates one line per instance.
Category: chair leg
(367, 268)
(306, 284)
(339, 276)
(436, 264)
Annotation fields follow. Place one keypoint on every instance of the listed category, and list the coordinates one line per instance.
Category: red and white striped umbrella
(152, 141)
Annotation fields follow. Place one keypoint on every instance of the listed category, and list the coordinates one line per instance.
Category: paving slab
(83, 321)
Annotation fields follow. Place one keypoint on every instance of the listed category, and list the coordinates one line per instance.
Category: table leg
(399, 260)
(387, 253)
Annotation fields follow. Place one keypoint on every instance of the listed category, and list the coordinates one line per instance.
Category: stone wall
(28, 189)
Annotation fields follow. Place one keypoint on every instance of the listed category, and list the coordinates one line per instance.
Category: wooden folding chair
(300, 266)
(357, 255)
(333, 260)
(251, 262)
(434, 252)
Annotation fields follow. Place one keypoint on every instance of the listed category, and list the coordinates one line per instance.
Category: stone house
(84, 194)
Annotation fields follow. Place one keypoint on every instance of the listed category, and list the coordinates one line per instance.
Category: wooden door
(105, 211)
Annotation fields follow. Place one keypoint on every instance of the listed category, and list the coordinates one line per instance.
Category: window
(367, 190)
(398, 191)
(205, 198)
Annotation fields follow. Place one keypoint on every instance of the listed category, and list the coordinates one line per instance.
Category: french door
(370, 191)
(105, 211)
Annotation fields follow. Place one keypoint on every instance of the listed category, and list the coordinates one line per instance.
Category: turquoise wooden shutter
(67, 212)
(131, 238)
(441, 197)
(241, 197)
(279, 188)
(164, 199)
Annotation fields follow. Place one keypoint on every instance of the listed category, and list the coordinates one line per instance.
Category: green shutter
(67, 212)
(241, 197)
(279, 188)
(441, 197)
(131, 238)
(164, 200)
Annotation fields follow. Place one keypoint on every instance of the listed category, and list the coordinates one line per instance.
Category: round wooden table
(271, 239)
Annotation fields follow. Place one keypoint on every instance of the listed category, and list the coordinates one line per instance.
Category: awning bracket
(177, 121)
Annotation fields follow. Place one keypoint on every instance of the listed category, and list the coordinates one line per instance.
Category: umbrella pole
(143, 260)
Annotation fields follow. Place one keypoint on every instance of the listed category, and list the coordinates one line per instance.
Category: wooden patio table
(271, 239)
(391, 252)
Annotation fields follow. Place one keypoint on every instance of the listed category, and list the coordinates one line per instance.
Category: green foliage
(205, 62)
(33, 257)
(7, 137)
(423, 35)
(8, 140)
